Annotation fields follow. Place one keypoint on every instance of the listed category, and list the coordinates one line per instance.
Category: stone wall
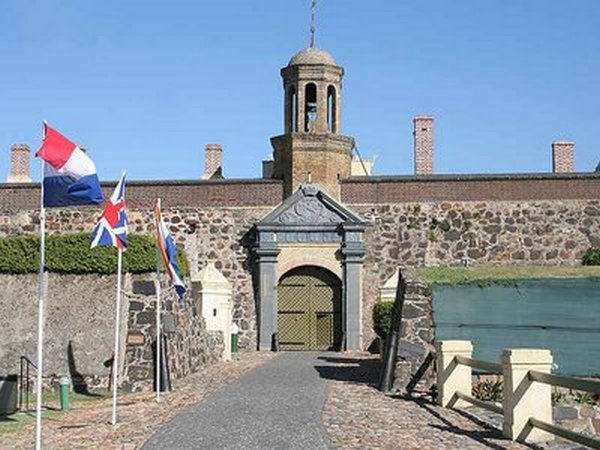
(414, 323)
(450, 233)
(143, 194)
(207, 234)
(79, 330)
(189, 345)
(410, 234)
(462, 188)
(580, 418)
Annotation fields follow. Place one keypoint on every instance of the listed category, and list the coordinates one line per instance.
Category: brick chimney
(19, 164)
(213, 161)
(423, 134)
(563, 156)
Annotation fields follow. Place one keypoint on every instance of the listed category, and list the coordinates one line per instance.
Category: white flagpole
(41, 310)
(158, 337)
(116, 365)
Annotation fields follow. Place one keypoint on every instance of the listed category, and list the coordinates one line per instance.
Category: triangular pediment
(310, 205)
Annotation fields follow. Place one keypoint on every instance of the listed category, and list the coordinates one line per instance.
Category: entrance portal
(309, 310)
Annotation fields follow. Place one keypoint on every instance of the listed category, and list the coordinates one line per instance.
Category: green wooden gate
(309, 310)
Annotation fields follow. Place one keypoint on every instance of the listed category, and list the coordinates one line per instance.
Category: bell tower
(312, 149)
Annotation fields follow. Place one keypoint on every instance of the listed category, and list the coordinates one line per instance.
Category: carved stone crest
(309, 210)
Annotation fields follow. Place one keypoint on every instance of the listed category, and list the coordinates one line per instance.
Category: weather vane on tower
(312, 26)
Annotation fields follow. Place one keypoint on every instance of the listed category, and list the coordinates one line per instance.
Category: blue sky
(145, 84)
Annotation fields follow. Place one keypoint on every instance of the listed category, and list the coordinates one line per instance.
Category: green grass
(51, 401)
(502, 274)
(16, 421)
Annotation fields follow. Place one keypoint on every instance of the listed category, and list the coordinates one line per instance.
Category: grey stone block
(564, 413)
(142, 287)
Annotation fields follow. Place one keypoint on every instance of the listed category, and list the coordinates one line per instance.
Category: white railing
(527, 399)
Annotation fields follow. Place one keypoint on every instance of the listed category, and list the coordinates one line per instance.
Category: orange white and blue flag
(112, 227)
(168, 251)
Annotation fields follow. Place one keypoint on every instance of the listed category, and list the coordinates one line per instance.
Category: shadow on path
(483, 436)
(349, 369)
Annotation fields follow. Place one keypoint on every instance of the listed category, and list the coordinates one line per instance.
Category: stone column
(451, 376)
(321, 125)
(353, 252)
(524, 398)
(266, 252)
(300, 117)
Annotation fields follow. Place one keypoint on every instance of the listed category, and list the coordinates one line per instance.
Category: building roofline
(472, 177)
(165, 182)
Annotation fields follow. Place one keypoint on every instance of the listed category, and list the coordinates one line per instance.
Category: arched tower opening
(310, 107)
(291, 110)
(331, 110)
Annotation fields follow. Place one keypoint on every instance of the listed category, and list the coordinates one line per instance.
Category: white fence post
(524, 398)
(451, 376)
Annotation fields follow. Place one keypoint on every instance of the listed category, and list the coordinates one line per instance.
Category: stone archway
(310, 229)
(309, 314)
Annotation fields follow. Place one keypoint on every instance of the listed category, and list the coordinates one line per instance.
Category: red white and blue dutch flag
(167, 250)
(112, 227)
(69, 174)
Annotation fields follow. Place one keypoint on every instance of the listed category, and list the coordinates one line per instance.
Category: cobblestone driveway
(357, 416)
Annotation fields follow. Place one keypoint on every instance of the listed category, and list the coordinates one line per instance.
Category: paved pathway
(276, 406)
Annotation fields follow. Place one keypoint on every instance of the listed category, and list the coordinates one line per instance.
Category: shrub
(488, 390)
(382, 318)
(72, 254)
(591, 257)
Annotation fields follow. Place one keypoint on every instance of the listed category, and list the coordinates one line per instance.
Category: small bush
(71, 253)
(382, 318)
(591, 257)
(488, 390)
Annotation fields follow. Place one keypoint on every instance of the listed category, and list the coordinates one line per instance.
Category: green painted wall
(562, 315)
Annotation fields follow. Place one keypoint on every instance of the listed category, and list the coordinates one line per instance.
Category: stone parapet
(183, 193)
(439, 188)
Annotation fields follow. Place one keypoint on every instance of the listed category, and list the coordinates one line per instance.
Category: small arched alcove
(309, 309)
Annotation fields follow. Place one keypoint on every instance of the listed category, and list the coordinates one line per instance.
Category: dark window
(310, 109)
(331, 110)
(292, 112)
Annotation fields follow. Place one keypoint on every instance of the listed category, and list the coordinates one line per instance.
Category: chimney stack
(213, 161)
(563, 156)
(19, 164)
(423, 146)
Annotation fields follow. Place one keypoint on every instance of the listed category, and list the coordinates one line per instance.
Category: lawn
(490, 274)
(51, 403)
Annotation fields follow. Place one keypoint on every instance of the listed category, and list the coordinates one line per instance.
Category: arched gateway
(309, 253)
(309, 309)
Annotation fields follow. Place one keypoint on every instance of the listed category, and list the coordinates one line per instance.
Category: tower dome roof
(312, 55)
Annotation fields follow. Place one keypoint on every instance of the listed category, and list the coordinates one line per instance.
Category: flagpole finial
(313, 27)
